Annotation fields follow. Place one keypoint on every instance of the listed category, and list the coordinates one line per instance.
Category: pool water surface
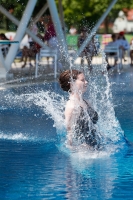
(32, 164)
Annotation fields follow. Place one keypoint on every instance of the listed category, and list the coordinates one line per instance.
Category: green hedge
(73, 39)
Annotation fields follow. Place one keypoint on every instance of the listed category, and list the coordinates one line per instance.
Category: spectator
(34, 30)
(4, 47)
(113, 43)
(30, 52)
(131, 51)
(90, 49)
(123, 44)
(73, 30)
(51, 39)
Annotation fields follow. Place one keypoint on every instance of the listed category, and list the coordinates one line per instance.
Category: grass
(3, 31)
(72, 40)
(129, 37)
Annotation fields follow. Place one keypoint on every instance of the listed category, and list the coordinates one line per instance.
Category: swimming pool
(32, 166)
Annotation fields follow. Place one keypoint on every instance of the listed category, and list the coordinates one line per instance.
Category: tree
(17, 7)
(87, 13)
(76, 12)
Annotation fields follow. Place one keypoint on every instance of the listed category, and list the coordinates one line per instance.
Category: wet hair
(67, 77)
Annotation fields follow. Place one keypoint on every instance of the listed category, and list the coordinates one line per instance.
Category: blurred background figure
(131, 51)
(90, 49)
(50, 34)
(51, 39)
(113, 43)
(73, 30)
(34, 29)
(123, 44)
(30, 53)
(3, 36)
(4, 47)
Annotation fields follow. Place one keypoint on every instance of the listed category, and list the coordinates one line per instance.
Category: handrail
(8, 41)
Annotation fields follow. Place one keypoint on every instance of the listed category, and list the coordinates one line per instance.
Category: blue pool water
(34, 166)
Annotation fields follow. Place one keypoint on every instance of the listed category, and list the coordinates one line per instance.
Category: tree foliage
(82, 12)
(18, 7)
(77, 12)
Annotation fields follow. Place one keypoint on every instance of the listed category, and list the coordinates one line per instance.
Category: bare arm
(69, 120)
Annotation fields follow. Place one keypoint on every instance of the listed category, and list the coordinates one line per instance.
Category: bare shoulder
(69, 112)
(70, 106)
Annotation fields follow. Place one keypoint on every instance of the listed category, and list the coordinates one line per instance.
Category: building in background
(124, 22)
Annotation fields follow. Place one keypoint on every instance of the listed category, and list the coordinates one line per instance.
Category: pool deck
(18, 75)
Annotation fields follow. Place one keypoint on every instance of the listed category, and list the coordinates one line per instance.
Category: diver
(80, 117)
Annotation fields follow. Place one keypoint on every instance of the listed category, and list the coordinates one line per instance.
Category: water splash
(98, 93)
(101, 98)
(24, 137)
(16, 136)
(52, 104)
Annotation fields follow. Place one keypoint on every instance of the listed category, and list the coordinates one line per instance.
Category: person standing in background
(131, 51)
(34, 30)
(4, 47)
(123, 44)
(113, 43)
(51, 39)
(73, 30)
(90, 50)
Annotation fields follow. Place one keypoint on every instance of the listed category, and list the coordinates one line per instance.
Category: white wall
(120, 24)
